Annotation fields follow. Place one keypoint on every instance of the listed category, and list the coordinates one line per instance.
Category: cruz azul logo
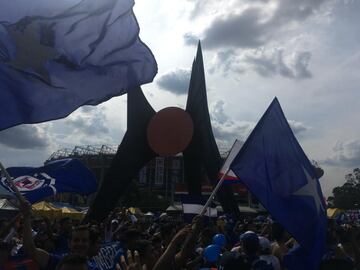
(28, 183)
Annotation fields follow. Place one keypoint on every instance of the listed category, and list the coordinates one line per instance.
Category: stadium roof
(96, 150)
(83, 151)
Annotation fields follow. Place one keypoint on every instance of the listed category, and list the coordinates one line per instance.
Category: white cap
(264, 243)
(114, 221)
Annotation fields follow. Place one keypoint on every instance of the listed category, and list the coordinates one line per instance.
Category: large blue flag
(56, 56)
(276, 170)
(66, 175)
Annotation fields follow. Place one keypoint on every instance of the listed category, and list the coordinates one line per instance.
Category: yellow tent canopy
(46, 209)
(71, 213)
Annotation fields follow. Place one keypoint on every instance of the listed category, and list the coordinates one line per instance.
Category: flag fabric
(5, 193)
(192, 206)
(297, 259)
(66, 175)
(56, 56)
(202, 154)
(276, 170)
(230, 176)
(108, 256)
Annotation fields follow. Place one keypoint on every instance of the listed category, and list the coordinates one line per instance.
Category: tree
(347, 196)
(319, 172)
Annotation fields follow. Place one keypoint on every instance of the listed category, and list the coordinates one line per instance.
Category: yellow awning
(46, 209)
(71, 213)
(333, 212)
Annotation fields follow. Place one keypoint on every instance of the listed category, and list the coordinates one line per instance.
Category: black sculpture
(134, 151)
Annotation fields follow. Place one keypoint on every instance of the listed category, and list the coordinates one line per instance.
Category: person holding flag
(78, 243)
(276, 170)
(59, 176)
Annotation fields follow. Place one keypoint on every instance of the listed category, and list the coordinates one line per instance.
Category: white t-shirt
(271, 259)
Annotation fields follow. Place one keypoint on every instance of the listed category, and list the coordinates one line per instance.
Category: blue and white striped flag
(192, 206)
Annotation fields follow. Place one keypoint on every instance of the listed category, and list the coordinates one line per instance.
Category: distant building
(162, 175)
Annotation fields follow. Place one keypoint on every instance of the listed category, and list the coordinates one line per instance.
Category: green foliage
(348, 195)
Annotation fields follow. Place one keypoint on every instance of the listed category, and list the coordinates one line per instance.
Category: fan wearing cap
(251, 245)
(265, 253)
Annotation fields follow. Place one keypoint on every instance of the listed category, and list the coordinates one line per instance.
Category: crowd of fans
(162, 243)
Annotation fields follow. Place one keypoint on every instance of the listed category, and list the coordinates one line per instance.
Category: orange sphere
(170, 131)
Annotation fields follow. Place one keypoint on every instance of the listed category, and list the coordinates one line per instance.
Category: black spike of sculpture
(203, 151)
(134, 151)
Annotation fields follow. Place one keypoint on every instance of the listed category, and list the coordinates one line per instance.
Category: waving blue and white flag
(56, 56)
(276, 170)
(66, 175)
(192, 206)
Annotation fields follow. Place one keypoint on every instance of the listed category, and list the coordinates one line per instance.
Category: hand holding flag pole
(224, 172)
(218, 185)
(8, 178)
(24, 205)
(11, 183)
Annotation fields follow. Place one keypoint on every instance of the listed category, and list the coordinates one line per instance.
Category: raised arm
(41, 257)
(182, 257)
(166, 260)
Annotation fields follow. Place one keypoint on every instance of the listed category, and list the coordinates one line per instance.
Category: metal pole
(10, 182)
(166, 179)
(214, 192)
(172, 190)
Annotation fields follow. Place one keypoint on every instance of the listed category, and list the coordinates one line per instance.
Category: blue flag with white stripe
(66, 175)
(276, 170)
(56, 56)
(192, 206)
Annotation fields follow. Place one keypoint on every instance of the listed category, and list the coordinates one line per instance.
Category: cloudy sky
(305, 52)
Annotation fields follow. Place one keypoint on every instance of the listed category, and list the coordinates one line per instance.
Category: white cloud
(175, 81)
(250, 24)
(90, 122)
(297, 127)
(227, 130)
(24, 137)
(266, 63)
(346, 154)
(25, 145)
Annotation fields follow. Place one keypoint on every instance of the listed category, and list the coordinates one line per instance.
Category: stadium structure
(163, 175)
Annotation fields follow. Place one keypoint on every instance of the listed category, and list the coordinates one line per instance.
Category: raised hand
(181, 235)
(133, 262)
(197, 223)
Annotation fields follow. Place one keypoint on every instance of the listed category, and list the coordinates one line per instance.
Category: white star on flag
(310, 189)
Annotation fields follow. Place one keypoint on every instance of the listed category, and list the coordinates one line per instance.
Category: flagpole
(11, 183)
(203, 211)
